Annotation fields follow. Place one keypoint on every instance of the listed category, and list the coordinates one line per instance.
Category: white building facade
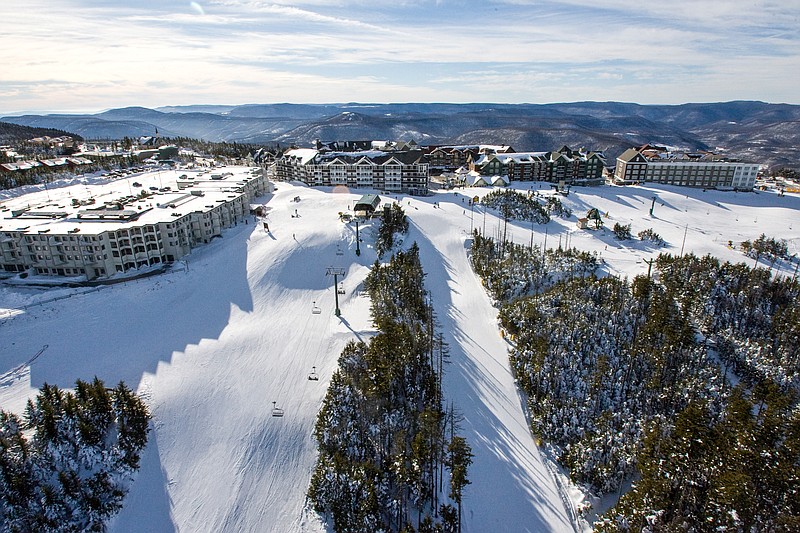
(97, 242)
(396, 172)
(655, 166)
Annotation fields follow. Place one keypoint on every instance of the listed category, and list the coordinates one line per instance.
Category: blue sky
(91, 55)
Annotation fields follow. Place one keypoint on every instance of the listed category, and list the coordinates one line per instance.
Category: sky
(92, 55)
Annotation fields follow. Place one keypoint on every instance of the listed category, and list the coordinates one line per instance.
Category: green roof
(367, 202)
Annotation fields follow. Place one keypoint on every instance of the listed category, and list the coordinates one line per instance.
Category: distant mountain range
(753, 131)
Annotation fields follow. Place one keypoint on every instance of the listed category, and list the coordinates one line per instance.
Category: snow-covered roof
(55, 162)
(20, 165)
(522, 156)
(303, 154)
(482, 160)
(62, 217)
(476, 180)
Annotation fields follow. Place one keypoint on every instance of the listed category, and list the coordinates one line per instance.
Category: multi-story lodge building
(565, 165)
(131, 232)
(449, 158)
(402, 171)
(658, 165)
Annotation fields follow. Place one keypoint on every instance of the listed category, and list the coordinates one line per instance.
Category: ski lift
(313, 375)
(276, 411)
(339, 250)
(340, 290)
(315, 310)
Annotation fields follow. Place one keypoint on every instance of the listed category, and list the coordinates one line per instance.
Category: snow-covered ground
(213, 343)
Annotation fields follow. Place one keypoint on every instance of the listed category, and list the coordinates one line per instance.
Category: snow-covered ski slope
(212, 344)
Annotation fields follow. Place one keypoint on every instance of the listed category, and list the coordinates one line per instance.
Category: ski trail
(508, 470)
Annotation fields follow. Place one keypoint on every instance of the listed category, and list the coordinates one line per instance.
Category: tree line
(66, 465)
(390, 458)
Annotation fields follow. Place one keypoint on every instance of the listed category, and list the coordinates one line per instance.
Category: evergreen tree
(394, 221)
(622, 231)
(459, 459)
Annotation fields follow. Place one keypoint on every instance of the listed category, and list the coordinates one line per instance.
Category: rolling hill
(10, 132)
(753, 131)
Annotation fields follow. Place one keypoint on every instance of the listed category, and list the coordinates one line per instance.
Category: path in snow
(229, 464)
(511, 487)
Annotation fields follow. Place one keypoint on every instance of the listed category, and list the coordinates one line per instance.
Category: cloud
(197, 8)
(104, 52)
(305, 16)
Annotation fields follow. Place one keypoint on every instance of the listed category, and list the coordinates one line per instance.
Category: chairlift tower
(358, 240)
(335, 272)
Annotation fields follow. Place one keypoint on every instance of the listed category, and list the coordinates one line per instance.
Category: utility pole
(544, 246)
(685, 231)
(471, 210)
(531, 235)
(649, 266)
(358, 241)
(335, 272)
(652, 206)
(505, 209)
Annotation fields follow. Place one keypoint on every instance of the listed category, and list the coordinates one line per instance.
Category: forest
(67, 464)
(516, 205)
(650, 379)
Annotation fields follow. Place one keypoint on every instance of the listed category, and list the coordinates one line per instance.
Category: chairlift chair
(340, 290)
(276, 411)
(313, 375)
(315, 310)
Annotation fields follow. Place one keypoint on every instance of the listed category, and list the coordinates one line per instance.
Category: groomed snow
(213, 343)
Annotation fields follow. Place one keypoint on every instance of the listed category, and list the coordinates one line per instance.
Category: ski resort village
(388, 337)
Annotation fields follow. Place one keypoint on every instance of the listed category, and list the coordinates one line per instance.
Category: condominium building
(658, 165)
(565, 165)
(88, 241)
(449, 158)
(396, 171)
